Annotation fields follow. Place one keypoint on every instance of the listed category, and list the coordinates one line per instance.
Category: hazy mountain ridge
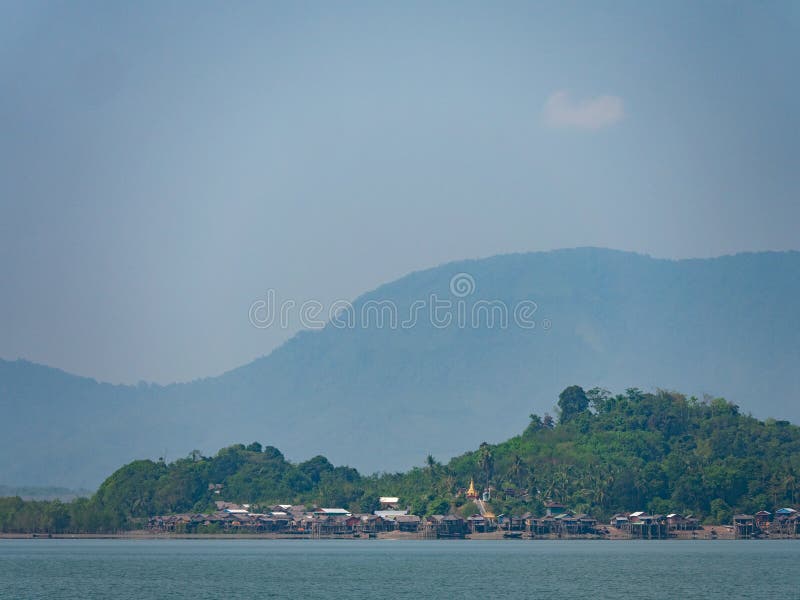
(385, 398)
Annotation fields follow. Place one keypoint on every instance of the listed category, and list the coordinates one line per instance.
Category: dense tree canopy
(609, 453)
(572, 402)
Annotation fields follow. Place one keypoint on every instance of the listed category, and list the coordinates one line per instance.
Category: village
(392, 521)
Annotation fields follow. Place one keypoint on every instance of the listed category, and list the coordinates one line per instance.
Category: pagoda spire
(471, 493)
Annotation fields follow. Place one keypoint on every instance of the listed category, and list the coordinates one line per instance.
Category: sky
(163, 164)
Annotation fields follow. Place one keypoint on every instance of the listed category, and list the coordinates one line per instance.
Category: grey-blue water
(238, 569)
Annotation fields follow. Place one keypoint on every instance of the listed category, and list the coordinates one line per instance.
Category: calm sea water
(239, 569)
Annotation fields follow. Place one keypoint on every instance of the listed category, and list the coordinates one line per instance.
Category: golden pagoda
(471, 493)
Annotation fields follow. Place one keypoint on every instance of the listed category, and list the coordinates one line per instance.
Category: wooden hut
(554, 508)
(451, 526)
(763, 519)
(407, 523)
(477, 523)
(744, 526)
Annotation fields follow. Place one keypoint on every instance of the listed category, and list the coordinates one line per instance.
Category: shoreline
(712, 533)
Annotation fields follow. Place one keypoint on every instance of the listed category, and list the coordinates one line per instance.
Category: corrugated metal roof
(332, 511)
(390, 514)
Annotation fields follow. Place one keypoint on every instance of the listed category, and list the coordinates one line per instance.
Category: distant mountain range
(383, 397)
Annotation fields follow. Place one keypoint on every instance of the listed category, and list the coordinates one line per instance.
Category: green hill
(605, 453)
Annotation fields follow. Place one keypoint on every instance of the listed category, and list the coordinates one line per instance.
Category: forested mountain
(605, 453)
(385, 397)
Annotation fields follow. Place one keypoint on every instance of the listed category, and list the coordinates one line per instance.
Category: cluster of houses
(640, 524)
(289, 519)
(784, 522)
(558, 521)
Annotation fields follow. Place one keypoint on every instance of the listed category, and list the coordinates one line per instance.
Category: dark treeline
(603, 454)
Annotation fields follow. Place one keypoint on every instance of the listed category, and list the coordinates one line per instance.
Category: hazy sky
(163, 164)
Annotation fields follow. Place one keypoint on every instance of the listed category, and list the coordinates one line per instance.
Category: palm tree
(447, 484)
(790, 481)
(640, 485)
(486, 461)
(431, 464)
(517, 470)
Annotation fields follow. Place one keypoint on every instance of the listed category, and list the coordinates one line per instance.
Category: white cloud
(591, 113)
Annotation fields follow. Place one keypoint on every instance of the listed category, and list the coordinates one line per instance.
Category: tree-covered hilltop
(604, 454)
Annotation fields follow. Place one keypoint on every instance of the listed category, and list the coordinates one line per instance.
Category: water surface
(239, 569)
